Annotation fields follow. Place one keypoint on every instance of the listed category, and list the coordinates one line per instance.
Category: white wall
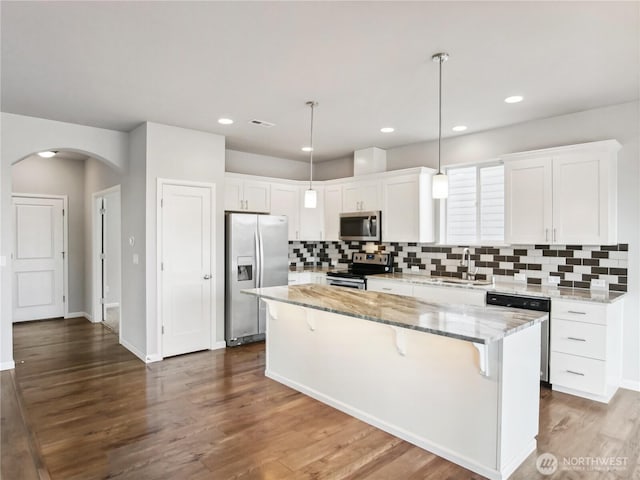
(181, 154)
(266, 166)
(22, 136)
(59, 176)
(338, 168)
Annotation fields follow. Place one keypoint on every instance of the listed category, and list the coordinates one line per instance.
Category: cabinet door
(312, 219)
(332, 210)
(400, 209)
(285, 201)
(257, 196)
(370, 193)
(528, 203)
(351, 197)
(232, 194)
(580, 206)
(456, 296)
(386, 286)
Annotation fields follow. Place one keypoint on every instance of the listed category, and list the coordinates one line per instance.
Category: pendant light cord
(312, 105)
(439, 112)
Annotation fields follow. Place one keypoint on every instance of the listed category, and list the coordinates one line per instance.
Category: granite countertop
(564, 293)
(465, 322)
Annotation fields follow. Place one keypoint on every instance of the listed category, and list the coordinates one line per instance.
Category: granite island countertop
(464, 322)
(515, 288)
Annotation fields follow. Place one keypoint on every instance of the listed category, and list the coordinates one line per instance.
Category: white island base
(477, 407)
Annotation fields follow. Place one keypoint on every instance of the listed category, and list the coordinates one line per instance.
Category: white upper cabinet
(285, 200)
(312, 219)
(528, 198)
(242, 193)
(565, 195)
(407, 207)
(332, 210)
(361, 196)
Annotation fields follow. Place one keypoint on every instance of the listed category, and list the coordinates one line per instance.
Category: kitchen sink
(458, 281)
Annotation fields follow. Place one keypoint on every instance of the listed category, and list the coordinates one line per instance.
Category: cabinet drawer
(579, 311)
(584, 374)
(454, 295)
(396, 288)
(577, 338)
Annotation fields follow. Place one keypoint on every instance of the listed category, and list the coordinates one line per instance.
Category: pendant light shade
(310, 198)
(310, 195)
(440, 186)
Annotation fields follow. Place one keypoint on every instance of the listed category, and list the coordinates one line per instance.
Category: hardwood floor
(91, 410)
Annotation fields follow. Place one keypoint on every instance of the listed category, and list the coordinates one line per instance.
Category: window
(475, 207)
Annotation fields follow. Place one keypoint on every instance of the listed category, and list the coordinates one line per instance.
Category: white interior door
(186, 268)
(38, 258)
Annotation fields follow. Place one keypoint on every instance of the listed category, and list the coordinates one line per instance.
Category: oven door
(358, 283)
(362, 226)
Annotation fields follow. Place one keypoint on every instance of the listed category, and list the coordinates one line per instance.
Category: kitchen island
(459, 381)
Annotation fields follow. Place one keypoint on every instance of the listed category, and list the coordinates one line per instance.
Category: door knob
(207, 277)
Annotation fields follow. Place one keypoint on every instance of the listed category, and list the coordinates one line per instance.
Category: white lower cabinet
(586, 348)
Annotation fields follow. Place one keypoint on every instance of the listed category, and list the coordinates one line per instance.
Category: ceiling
(368, 64)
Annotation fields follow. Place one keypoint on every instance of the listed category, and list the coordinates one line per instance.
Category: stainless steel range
(362, 264)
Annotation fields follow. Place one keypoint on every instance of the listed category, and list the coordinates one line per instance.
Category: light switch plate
(553, 280)
(520, 277)
(598, 283)
(415, 268)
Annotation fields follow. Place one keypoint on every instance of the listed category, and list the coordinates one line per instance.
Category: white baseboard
(133, 350)
(78, 314)
(630, 385)
(8, 365)
(218, 345)
(156, 357)
(606, 398)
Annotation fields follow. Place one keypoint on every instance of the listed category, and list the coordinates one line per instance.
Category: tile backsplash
(576, 265)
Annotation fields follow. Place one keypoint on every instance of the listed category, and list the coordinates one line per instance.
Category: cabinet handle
(546, 234)
(385, 288)
(575, 373)
(296, 235)
(246, 204)
(575, 339)
(554, 234)
(576, 312)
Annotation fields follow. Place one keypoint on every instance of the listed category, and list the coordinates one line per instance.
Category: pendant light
(311, 196)
(440, 187)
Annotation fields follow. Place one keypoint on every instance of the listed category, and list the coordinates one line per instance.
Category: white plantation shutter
(461, 205)
(475, 206)
(492, 204)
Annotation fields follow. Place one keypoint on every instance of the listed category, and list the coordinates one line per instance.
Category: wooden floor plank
(96, 411)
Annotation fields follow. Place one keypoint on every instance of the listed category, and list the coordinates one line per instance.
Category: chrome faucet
(466, 262)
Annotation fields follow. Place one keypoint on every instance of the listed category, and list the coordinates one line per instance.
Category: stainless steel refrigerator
(257, 255)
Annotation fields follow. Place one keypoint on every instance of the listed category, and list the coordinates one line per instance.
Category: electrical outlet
(553, 280)
(598, 283)
(415, 268)
(520, 277)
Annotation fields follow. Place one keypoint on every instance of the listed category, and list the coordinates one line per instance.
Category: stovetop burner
(363, 264)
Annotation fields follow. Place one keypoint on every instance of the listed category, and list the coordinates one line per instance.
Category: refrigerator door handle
(260, 256)
(258, 262)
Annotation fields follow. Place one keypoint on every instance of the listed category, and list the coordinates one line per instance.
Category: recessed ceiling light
(514, 99)
(225, 121)
(387, 129)
(47, 154)
(307, 149)
(459, 128)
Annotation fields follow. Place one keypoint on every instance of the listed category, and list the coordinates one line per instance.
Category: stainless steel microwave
(363, 226)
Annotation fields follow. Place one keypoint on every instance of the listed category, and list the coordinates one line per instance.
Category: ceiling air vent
(262, 123)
